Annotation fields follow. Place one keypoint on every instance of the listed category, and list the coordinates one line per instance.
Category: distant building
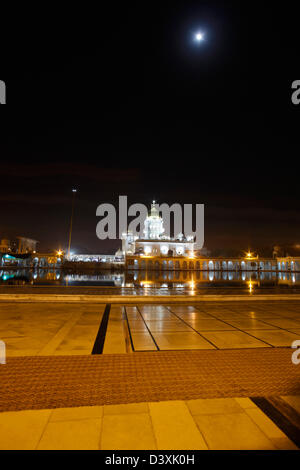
(5, 246)
(119, 256)
(18, 245)
(154, 242)
(26, 245)
(90, 258)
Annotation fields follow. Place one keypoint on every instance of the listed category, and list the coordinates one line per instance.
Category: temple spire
(154, 212)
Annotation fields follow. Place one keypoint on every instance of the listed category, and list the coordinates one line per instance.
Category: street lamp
(74, 191)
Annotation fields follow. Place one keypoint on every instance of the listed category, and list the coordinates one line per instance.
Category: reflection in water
(179, 280)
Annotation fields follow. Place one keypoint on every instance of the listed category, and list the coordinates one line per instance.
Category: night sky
(121, 101)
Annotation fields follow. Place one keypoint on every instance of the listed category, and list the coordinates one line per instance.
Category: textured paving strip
(67, 381)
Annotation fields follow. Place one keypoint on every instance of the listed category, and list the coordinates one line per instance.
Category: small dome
(154, 212)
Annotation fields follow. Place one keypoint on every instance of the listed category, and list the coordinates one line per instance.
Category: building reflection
(188, 280)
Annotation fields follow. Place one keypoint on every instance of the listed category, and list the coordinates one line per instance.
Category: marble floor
(203, 424)
(49, 328)
(213, 325)
(30, 329)
(62, 329)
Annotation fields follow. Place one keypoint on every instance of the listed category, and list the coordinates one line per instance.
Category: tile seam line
(153, 339)
(216, 347)
(242, 331)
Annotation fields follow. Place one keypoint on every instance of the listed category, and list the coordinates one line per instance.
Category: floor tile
(265, 424)
(158, 316)
(233, 339)
(137, 325)
(81, 434)
(234, 431)
(143, 341)
(182, 308)
(174, 427)
(115, 335)
(22, 430)
(284, 323)
(295, 330)
(250, 324)
(167, 326)
(275, 337)
(195, 316)
(127, 432)
(82, 412)
(130, 408)
(213, 406)
(245, 403)
(181, 340)
(210, 325)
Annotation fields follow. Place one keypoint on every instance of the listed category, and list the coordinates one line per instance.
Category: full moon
(199, 37)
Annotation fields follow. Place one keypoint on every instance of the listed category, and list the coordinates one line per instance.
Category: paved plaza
(43, 329)
(194, 375)
(214, 424)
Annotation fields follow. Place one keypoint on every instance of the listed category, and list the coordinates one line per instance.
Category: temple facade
(154, 242)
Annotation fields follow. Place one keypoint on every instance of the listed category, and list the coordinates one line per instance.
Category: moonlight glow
(199, 37)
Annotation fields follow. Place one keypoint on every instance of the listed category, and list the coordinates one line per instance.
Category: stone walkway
(216, 424)
(49, 328)
(134, 376)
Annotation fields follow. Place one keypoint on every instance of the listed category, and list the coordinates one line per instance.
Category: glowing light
(249, 255)
(147, 250)
(199, 36)
(74, 190)
(251, 286)
(192, 286)
(59, 253)
(164, 249)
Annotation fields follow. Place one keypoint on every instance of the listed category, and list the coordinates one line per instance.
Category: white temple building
(154, 242)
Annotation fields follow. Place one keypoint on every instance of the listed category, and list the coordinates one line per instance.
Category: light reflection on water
(178, 280)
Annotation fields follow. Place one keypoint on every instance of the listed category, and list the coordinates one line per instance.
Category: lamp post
(74, 191)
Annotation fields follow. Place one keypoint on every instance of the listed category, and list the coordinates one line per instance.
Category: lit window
(164, 249)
